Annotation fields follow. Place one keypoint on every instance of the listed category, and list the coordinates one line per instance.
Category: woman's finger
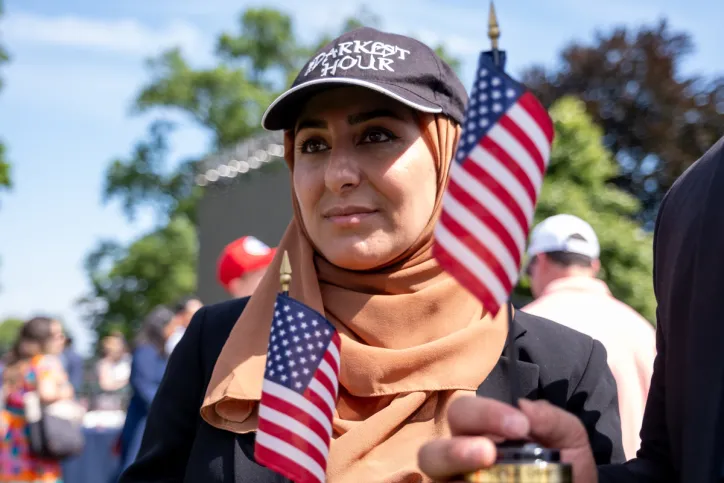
(446, 459)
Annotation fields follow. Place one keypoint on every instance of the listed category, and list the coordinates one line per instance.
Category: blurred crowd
(115, 387)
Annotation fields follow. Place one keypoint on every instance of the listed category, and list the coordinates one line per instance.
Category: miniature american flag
(495, 180)
(299, 394)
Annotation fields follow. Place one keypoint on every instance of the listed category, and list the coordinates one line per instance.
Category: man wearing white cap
(563, 264)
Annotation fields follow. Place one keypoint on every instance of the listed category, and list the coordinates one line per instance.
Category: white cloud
(124, 36)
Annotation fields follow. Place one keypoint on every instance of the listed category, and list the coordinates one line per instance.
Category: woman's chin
(357, 258)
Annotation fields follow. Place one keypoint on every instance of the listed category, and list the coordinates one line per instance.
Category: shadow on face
(364, 177)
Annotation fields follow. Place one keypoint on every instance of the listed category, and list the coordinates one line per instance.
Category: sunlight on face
(364, 177)
(56, 344)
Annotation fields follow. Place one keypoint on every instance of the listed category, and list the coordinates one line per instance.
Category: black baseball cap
(397, 66)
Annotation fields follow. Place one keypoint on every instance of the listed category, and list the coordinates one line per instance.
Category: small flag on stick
(495, 180)
(299, 392)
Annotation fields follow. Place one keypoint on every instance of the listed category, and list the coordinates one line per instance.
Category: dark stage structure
(246, 192)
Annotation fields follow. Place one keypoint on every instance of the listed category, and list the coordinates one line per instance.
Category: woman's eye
(377, 136)
(313, 146)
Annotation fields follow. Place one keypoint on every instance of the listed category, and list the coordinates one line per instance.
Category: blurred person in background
(33, 366)
(242, 264)
(73, 365)
(563, 264)
(147, 368)
(184, 310)
(114, 371)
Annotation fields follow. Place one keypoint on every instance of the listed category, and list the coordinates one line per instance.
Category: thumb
(554, 427)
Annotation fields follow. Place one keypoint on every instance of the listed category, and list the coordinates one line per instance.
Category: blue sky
(77, 64)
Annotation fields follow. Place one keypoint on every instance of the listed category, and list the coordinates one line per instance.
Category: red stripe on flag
(326, 383)
(337, 340)
(465, 278)
(283, 465)
(294, 412)
(330, 358)
(523, 138)
(478, 248)
(512, 165)
(320, 403)
(481, 213)
(279, 432)
(536, 110)
(479, 173)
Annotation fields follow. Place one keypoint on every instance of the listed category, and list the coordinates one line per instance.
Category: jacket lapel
(496, 385)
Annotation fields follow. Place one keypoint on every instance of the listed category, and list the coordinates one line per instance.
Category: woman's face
(364, 177)
(113, 347)
(56, 343)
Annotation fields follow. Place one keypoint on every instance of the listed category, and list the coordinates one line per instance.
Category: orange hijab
(412, 340)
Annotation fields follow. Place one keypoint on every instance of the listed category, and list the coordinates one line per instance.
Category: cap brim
(281, 114)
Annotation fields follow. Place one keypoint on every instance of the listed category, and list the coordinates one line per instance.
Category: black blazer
(682, 436)
(558, 364)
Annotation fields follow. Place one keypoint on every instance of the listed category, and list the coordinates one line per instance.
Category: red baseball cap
(246, 254)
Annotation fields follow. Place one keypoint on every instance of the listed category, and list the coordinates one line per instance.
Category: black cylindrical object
(524, 463)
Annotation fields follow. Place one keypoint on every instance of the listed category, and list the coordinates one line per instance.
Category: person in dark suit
(73, 365)
(370, 156)
(683, 427)
(147, 367)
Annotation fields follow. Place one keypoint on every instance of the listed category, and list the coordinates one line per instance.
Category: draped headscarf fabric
(412, 340)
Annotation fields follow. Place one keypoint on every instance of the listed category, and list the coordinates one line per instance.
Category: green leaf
(4, 169)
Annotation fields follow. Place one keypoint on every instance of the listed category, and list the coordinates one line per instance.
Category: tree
(578, 182)
(128, 282)
(656, 120)
(227, 101)
(9, 329)
(144, 178)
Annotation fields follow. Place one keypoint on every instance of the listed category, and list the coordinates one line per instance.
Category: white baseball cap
(563, 233)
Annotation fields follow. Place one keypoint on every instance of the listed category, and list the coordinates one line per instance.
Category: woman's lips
(351, 219)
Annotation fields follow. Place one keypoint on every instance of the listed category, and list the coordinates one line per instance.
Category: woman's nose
(342, 171)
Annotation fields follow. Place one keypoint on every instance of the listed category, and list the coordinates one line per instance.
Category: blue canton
(492, 95)
(297, 343)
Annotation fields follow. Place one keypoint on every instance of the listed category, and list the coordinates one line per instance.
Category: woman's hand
(477, 422)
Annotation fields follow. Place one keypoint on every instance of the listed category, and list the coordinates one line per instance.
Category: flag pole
(510, 351)
(494, 33)
(285, 273)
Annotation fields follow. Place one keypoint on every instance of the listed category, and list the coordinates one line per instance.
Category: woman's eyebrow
(352, 119)
(310, 123)
(374, 114)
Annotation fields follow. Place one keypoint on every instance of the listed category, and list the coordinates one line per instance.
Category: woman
(33, 367)
(371, 125)
(147, 368)
(114, 371)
